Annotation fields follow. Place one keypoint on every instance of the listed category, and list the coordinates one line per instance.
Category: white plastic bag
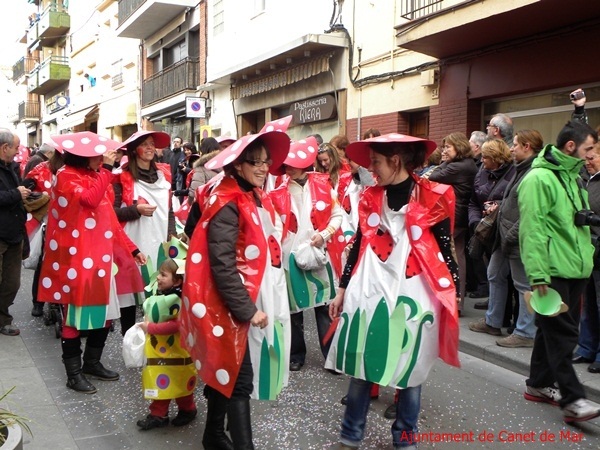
(309, 257)
(35, 245)
(133, 347)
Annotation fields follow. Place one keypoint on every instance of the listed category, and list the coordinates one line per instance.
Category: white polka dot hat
(359, 151)
(302, 154)
(272, 135)
(84, 143)
(161, 139)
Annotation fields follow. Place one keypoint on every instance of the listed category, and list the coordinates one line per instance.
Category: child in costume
(169, 372)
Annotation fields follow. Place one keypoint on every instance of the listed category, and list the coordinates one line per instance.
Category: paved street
(481, 403)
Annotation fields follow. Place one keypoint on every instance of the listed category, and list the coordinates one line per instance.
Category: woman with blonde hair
(328, 161)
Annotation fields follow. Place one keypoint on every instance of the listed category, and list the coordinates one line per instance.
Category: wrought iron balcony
(23, 66)
(179, 77)
(51, 73)
(415, 9)
(29, 112)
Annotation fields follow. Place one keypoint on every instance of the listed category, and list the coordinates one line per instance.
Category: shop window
(545, 112)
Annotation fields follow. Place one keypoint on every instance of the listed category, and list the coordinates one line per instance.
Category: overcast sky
(14, 23)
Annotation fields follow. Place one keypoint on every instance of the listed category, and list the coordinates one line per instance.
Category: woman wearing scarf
(235, 315)
(396, 304)
(143, 205)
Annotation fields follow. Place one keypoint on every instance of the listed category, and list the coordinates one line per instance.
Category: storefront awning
(72, 119)
(115, 114)
(282, 78)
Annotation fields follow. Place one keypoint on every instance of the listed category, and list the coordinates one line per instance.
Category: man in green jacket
(557, 254)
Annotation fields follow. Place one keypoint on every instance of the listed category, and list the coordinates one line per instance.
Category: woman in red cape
(396, 303)
(235, 320)
(77, 270)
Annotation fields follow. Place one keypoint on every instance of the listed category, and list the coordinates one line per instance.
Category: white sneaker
(548, 394)
(580, 411)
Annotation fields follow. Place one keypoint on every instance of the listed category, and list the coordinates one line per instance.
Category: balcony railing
(23, 66)
(51, 25)
(29, 111)
(52, 72)
(127, 8)
(181, 76)
(415, 9)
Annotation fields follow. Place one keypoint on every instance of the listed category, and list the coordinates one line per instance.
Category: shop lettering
(313, 110)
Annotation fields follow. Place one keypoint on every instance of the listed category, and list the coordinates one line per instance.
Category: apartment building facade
(423, 67)
(168, 33)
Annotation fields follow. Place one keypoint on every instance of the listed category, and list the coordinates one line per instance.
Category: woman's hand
(141, 259)
(260, 319)
(317, 240)
(145, 209)
(109, 157)
(489, 207)
(336, 306)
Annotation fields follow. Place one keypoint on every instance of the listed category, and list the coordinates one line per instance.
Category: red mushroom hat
(359, 151)
(272, 135)
(84, 143)
(161, 139)
(302, 154)
(281, 124)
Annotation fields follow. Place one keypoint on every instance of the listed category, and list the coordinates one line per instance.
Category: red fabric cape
(429, 204)
(219, 354)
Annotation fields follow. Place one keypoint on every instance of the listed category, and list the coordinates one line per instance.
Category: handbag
(476, 248)
(485, 230)
(133, 347)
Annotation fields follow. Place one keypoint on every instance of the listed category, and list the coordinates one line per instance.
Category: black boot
(214, 437)
(240, 425)
(93, 367)
(75, 379)
(71, 356)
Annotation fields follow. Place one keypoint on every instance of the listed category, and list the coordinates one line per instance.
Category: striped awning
(282, 78)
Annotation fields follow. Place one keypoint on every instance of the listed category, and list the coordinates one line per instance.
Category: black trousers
(555, 340)
(298, 346)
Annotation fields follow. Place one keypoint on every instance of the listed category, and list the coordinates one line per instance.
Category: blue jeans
(589, 325)
(499, 269)
(355, 417)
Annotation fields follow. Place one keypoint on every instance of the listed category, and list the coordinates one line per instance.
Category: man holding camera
(557, 253)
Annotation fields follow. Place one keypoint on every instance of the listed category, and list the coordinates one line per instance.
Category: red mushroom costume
(399, 312)
(215, 339)
(82, 233)
(304, 212)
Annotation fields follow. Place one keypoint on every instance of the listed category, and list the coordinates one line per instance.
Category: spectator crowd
(214, 253)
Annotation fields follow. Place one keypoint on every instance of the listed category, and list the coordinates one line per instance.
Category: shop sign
(313, 109)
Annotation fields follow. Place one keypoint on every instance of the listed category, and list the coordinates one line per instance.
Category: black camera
(587, 217)
(577, 95)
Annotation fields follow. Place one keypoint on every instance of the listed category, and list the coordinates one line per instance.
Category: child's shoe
(151, 422)
(184, 417)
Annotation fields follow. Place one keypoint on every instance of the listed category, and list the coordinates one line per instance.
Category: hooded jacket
(549, 196)
(508, 215)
